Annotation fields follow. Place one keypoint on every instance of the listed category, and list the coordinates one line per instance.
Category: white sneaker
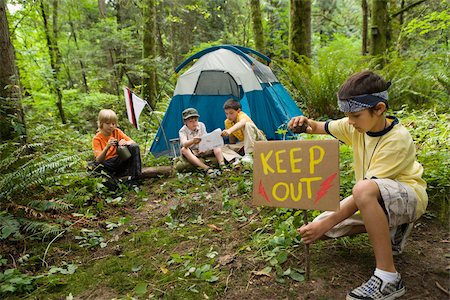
(372, 290)
(236, 161)
(247, 159)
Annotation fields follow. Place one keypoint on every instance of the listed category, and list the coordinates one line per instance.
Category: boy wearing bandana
(389, 194)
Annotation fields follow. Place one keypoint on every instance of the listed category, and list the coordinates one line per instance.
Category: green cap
(189, 113)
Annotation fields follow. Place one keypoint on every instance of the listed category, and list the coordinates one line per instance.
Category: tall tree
(300, 29)
(10, 100)
(258, 34)
(102, 8)
(365, 24)
(379, 27)
(75, 39)
(149, 51)
(54, 53)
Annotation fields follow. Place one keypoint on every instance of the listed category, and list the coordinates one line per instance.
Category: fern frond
(40, 228)
(8, 226)
(46, 205)
(35, 173)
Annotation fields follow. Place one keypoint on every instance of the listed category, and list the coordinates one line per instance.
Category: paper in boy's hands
(211, 140)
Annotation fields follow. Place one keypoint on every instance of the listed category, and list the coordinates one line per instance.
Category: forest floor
(182, 238)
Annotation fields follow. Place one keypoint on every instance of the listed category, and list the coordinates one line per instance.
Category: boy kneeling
(389, 191)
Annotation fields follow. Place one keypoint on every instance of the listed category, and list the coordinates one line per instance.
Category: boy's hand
(312, 231)
(298, 124)
(122, 142)
(196, 140)
(225, 133)
(112, 142)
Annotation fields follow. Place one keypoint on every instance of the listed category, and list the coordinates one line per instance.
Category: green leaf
(282, 257)
(140, 288)
(212, 279)
(297, 276)
(136, 268)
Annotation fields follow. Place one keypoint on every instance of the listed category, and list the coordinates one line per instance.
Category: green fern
(36, 173)
(40, 229)
(9, 226)
(49, 205)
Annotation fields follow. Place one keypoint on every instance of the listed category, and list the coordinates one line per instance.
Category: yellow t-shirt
(390, 154)
(99, 143)
(239, 134)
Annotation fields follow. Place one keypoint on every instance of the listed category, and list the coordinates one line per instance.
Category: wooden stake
(307, 271)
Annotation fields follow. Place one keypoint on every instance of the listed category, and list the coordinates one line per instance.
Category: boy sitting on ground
(389, 191)
(239, 126)
(190, 136)
(105, 145)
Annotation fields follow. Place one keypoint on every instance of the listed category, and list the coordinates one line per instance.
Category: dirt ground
(336, 268)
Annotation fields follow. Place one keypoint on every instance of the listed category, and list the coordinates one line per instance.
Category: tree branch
(406, 8)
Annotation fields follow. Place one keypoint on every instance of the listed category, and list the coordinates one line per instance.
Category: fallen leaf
(164, 269)
(264, 272)
(215, 228)
(226, 259)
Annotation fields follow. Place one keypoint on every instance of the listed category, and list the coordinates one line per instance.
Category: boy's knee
(365, 189)
(134, 148)
(249, 125)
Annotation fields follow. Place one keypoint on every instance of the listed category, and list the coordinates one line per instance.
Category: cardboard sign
(297, 174)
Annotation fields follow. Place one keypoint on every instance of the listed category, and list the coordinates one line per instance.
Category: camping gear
(220, 73)
(123, 152)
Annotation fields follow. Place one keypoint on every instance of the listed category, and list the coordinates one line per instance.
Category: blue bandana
(358, 103)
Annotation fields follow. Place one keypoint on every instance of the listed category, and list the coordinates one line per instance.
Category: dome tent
(220, 73)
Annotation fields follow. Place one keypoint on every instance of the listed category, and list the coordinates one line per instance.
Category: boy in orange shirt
(105, 144)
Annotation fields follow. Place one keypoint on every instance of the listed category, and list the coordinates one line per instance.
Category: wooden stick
(307, 271)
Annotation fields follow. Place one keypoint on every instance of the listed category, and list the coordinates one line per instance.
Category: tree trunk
(300, 29)
(83, 69)
(365, 22)
(258, 34)
(379, 27)
(161, 48)
(10, 93)
(55, 55)
(102, 8)
(149, 77)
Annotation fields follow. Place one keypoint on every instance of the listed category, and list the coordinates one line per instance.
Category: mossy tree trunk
(379, 27)
(149, 51)
(300, 29)
(102, 8)
(54, 53)
(257, 26)
(12, 121)
(365, 25)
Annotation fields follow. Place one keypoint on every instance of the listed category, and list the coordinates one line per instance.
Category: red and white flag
(135, 105)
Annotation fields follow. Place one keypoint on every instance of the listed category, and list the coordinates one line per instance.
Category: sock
(385, 276)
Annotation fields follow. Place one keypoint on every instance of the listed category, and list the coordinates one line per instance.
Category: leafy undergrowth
(195, 237)
(64, 236)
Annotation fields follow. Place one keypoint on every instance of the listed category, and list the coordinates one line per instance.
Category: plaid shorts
(399, 200)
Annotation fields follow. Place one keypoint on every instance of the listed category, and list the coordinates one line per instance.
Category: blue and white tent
(219, 73)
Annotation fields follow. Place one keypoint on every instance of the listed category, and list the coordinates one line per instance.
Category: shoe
(210, 172)
(372, 290)
(247, 159)
(398, 237)
(236, 162)
(224, 168)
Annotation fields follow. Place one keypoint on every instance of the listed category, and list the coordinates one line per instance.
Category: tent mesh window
(217, 83)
